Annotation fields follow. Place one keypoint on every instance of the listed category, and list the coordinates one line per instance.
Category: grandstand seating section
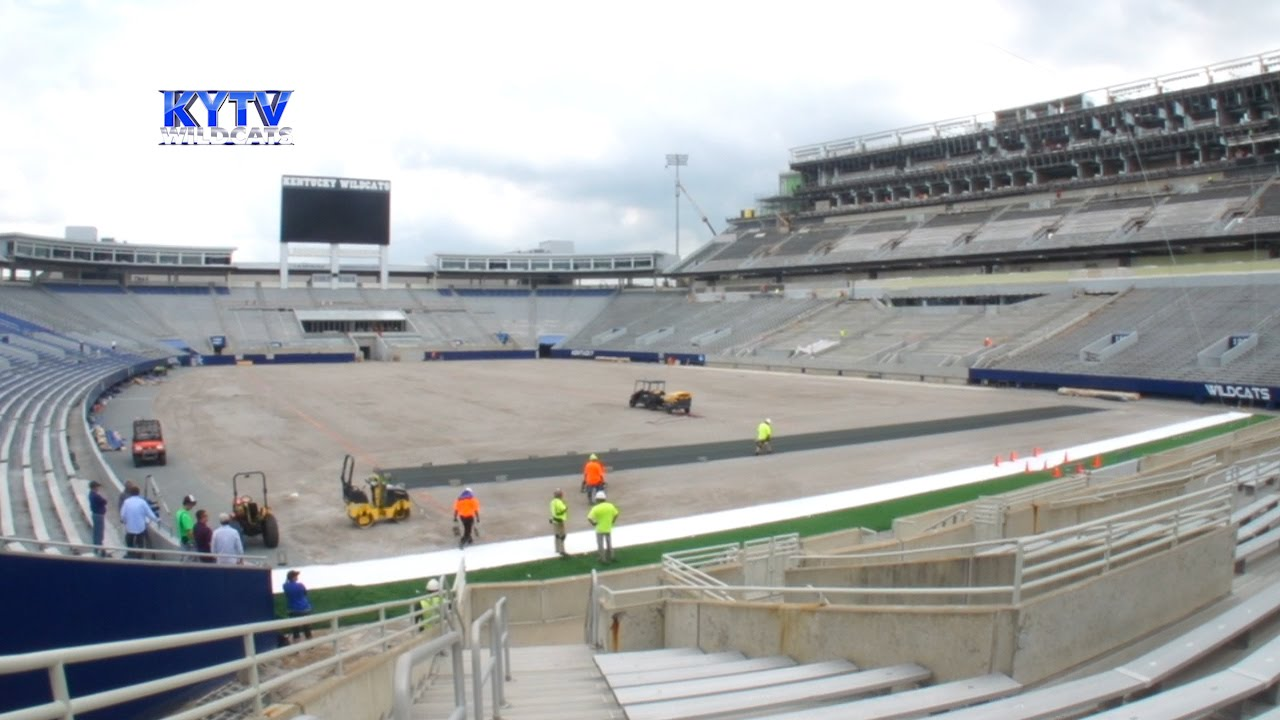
(1191, 207)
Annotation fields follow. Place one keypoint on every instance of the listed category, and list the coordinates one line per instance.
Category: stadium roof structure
(553, 267)
(105, 258)
(1152, 127)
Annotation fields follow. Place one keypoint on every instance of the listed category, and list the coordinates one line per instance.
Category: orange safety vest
(593, 472)
(466, 507)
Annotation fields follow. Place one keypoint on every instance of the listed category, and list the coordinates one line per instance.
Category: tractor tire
(402, 514)
(161, 460)
(364, 519)
(270, 531)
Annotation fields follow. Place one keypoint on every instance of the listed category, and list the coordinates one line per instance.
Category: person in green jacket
(602, 516)
(185, 524)
(764, 436)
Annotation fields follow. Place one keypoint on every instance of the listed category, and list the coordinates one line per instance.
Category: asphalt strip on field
(497, 554)
(474, 473)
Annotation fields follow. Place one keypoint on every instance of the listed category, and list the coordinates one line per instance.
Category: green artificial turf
(878, 516)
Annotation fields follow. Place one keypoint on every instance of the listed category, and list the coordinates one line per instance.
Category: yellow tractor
(383, 501)
(653, 395)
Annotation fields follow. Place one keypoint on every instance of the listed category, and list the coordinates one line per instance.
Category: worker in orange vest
(592, 478)
(466, 509)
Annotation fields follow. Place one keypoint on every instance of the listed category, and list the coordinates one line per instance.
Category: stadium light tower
(676, 161)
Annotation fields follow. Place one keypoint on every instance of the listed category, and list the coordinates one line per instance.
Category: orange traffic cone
(997, 461)
(1057, 471)
(1013, 456)
(1035, 452)
(1079, 468)
(1097, 461)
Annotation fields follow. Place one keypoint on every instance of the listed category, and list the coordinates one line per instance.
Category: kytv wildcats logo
(1238, 392)
(182, 118)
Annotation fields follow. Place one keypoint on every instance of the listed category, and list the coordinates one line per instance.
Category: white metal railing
(497, 669)
(347, 643)
(1039, 561)
(86, 551)
(402, 689)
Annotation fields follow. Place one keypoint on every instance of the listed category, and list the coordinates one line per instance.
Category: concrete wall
(977, 640)
(1060, 514)
(551, 612)
(364, 691)
(1042, 637)
(948, 573)
(1072, 625)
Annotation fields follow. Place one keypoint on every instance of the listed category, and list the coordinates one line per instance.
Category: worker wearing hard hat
(466, 510)
(602, 516)
(592, 478)
(430, 612)
(764, 437)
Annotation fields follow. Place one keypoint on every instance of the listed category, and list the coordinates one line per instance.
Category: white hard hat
(600, 495)
(767, 421)
(433, 585)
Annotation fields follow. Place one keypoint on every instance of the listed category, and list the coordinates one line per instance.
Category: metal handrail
(1039, 560)
(63, 705)
(403, 683)
(1144, 514)
(85, 552)
(497, 669)
(591, 623)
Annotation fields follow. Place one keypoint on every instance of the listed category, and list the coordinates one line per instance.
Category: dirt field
(297, 422)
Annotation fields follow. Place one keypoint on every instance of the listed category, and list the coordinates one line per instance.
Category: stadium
(1022, 369)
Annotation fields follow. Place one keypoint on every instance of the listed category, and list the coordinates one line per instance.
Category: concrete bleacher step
(1200, 698)
(1247, 513)
(640, 660)
(647, 677)
(794, 695)
(548, 683)
(730, 683)
(912, 703)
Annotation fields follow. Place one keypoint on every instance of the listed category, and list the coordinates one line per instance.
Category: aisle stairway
(551, 682)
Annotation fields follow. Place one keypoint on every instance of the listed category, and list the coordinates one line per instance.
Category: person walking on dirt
(764, 437)
(466, 509)
(559, 516)
(592, 478)
(602, 516)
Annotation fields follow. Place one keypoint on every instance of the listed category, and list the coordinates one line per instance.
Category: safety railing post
(1106, 552)
(1017, 574)
(495, 661)
(251, 653)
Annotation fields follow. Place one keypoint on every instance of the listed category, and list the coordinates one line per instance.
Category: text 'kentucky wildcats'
(184, 111)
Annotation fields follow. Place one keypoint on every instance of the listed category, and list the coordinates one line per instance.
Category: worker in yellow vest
(430, 606)
(602, 516)
(764, 437)
(559, 516)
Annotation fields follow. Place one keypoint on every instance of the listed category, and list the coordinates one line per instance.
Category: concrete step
(555, 681)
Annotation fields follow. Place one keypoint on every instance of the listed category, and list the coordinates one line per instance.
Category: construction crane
(701, 214)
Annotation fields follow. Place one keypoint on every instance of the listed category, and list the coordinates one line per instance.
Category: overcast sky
(501, 125)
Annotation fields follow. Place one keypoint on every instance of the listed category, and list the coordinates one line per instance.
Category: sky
(501, 125)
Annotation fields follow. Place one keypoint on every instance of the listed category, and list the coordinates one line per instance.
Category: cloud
(501, 124)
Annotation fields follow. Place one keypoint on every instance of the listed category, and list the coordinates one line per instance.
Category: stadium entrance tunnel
(546, 342)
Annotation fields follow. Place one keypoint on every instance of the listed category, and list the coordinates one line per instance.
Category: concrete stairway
(550, 682)
(685, 684)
